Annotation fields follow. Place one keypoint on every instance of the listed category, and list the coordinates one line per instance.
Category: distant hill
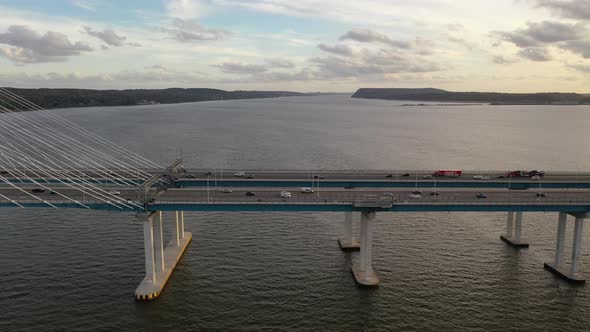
(431, 94)
(64, 98)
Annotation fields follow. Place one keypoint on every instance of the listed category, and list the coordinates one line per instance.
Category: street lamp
(207, 188)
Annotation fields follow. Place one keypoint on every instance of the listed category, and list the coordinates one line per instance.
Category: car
(285, 194)
(478, 177)
(318, 177)
(249, 176)
(227, 191)
(485, 178)
(500, 177)
(406, 174)
(52, 193)
(348, 187)
(306, 190)
(415, 196)
(388, 194)
(481, 195)
(208, 173)
(427, 177)
(250, 193)
(114, 192)
(37, 191)
(541, 194)
(389, 175)
(190, 176)
(434, 193)
(239, 174)
(417, 192)
(535, 178)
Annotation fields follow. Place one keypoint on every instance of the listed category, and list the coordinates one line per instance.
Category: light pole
(207, 188)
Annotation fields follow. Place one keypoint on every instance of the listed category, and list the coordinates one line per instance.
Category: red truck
(448, 173)
(523, 173)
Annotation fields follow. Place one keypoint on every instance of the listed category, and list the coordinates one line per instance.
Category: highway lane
(268, 195)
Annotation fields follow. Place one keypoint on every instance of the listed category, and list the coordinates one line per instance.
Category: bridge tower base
(557, 267)
(347, 242)
(160, 261)
(513, 236)
(363, 272)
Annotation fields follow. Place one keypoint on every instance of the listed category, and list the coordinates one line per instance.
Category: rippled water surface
(77, 270)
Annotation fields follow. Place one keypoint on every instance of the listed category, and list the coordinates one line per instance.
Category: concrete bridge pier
(347, 242)
(513, 236)
(160, 261)
(363, 271)
(572, 274)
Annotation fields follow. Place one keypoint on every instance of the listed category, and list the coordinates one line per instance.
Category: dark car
(190, 176)
(38, 191)
(249, 176)
(417, 192)
(406, 174)
(348, 187)
(541, 195)
(250, 193)
(208, 173)
(318, 177)
(481, 195)
(434, 193)
(389, 175)
(500, 177)
(52, 193)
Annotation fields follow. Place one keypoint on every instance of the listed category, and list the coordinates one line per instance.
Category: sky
(302, 45)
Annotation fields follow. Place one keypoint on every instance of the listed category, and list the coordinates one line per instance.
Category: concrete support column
(148, 242)
(364, 273)
(559, 247)
(159, 242)
(513, 236)
(577, 245)
(182, 224)
(518, 227)
(177, 228)
(509, 224)
(347, 241)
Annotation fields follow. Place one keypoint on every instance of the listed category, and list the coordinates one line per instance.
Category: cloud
(189, 31)
(85, 4)
(581, 47)
(241, 68)
(156, 67)
(343, 50)
(580, 67)
(32, 47)
(535, 54)
(109, 37)
(369, 36)
(501, 60)
(576, 9)
(537, 34)
(185, 9)
(280, 63)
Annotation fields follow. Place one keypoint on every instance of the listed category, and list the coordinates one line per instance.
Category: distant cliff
(431, 94)
(63, 98)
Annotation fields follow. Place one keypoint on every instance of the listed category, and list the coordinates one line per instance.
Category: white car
(485, 178)
(227, 191)
(415, 196)
(114, 192)
(427, 177)
(478, 177)
(535, 178)
(306, 190)
(285, 194)
(240, 174)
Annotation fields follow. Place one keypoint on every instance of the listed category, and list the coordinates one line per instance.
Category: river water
(77, 270)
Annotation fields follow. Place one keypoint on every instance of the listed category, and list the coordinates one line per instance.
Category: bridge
(48, 162)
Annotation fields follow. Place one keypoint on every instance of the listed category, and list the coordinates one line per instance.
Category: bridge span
(47, 161)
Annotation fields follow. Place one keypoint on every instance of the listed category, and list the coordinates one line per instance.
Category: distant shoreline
(492, 98)
(74, 98)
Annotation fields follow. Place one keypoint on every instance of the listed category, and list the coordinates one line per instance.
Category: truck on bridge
(448, 173)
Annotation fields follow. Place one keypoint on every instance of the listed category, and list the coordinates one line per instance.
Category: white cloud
(185, 9)
(85, 4)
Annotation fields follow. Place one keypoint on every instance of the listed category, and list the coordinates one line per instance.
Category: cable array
(42, 153)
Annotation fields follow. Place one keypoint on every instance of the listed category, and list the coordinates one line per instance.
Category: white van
(306, 190)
